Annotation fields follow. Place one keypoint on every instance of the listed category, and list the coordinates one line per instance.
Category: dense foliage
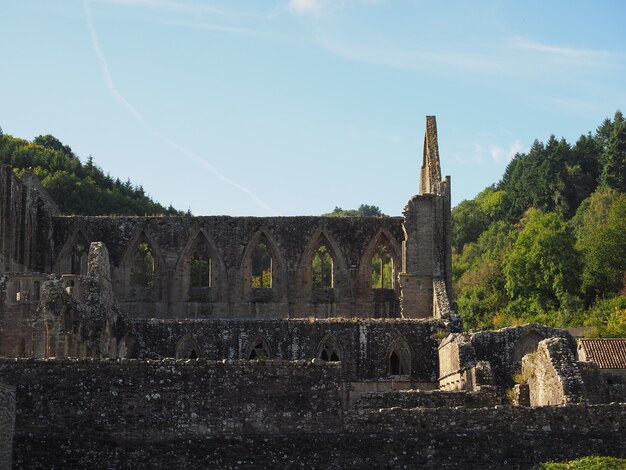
(548, 242)
(77, 187)
(586, 463)
(364, 210)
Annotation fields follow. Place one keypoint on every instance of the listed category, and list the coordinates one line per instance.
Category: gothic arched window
(382, 269)
(261, 267)
(186, 348)
(201, 267)
(80, 253)
(259, 350)
(399, 358)
(142, 268)
(329, 352)
(322, 268)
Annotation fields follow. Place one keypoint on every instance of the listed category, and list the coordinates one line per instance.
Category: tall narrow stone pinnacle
(430, 175)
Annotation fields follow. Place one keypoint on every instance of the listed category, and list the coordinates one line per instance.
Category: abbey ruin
(283, 342)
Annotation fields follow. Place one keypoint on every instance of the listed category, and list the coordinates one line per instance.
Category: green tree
(602, 240)
(468, 222)
(364, 210)
(478, 277)
(542, 269)
(77, 188)
(614, 156)
(50, 142)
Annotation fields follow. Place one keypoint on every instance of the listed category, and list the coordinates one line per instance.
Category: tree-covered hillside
(77, 187)
(548, 242)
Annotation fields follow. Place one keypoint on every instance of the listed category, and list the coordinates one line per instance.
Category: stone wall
(19, 297)
(552, 374)
(427, 399)
(496, 355)
(292, 242)
(363, 346)
(24, 222)
(234, 414)
(7, 424)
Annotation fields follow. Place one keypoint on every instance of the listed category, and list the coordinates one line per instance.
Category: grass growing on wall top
(586, 463)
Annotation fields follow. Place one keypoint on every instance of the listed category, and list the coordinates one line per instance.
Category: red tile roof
(609, 353)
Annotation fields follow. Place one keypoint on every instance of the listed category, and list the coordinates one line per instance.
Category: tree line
(547, 243)
(78, 188)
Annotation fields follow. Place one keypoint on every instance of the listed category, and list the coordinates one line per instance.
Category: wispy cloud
(510, 56)
(181, 5)
(317, 7)
(141, 120)
(486, 152)
(500, 154)
(212, 27)
(305, 7)
(416, 59)
(566, 55)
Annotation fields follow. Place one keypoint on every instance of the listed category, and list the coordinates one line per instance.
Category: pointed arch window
(382, 268)
(259, 350)
(262, 266)
(186, 348)
(329, 352)
(201, 268)
(80, 253)
(399, 358)
(322, 268)
(142, 269)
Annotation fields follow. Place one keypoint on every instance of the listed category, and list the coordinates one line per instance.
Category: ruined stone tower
(426, 275)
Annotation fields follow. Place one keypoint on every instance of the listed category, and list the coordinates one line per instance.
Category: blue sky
(293, 107)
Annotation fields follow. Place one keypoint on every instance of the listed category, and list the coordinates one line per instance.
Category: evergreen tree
(614, 156)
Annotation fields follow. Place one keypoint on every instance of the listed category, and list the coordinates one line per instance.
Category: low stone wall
(154, 400)
(363, 346)
(427, 399)
(263, 414)
(7, 423)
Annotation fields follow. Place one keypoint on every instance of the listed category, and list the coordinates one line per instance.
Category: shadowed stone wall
(364, 347)
(25, 212)
(7, 423)
(147, 414)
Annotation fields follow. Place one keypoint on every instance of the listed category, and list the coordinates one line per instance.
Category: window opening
(201, 266)
(80, 253)
(322, 268)
(382, 269)
(143, 266)
(37, 290)
(259, 351)
(400, 359)
(329, 353)
(261, 267)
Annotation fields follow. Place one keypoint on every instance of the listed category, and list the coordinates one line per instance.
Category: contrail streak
(139, 117)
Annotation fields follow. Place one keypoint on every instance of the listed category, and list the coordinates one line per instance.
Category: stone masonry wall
(19, 297)
(427, 399)
(24, 220)
(363, 346)
(505, 348)
(7, 424)
(120, 402)
(552, 374)
(235, 414)
(292, 241)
